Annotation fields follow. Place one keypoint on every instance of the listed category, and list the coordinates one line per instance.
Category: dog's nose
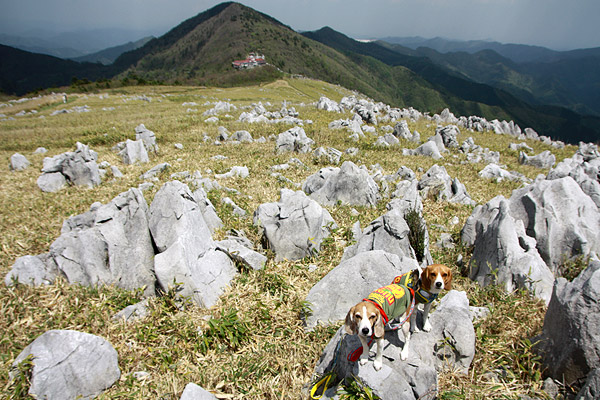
(366, 331)
(438, 285)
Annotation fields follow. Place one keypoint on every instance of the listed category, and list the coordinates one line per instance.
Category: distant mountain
(568, 79)
(41, 46)
(515, 52)
(200, 51)
(22, 72)
(461, 93)
(108, 56)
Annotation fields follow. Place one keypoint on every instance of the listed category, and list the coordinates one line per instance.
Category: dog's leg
(364, 357)
(413, 320)
(379, 355)
(406, 331)
(426, 324)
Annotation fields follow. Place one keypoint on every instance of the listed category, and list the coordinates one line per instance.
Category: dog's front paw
(377, 365)
(363, 361)
(414, 328)
(427, 326)
(404, 354)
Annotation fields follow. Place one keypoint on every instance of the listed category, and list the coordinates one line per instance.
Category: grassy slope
(276, 356)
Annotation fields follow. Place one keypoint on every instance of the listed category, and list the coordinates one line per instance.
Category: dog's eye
(373, 316)
(358, 316)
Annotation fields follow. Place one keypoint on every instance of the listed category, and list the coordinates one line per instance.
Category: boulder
(497, 173)
(328, 155)
(389, 233)
(438, 184)
(449, 134)
(18, 162)
(70, 365)
(591, 387)
(450, 344)
(133, 312)
(294, 139)
(503, 253)
(51, 182)
(78, 167)
(584, 167)
(353, 279)
(32, 270)
(562, 219)
(110, 245)
(293, 227)
(209, 213)
(427, 149)
(242, 254)
(349, 185)
(147, 137)
(134, 152)
(242, 137)
(234, 172)
(570, 340)
(327, 104)
(187, 255)
(154, 172)
(195, 392)
(401, 130)
(543, 160)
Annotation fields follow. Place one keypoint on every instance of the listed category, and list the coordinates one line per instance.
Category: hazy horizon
(549, 23)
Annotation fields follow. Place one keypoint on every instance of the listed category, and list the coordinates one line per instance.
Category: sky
(557, 24)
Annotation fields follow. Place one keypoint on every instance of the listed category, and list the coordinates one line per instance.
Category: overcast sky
(558, 24)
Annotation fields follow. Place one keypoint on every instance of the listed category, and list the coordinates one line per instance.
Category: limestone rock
(70, 364)
(293, 227)
(570, 339)
(294, 139)
(349, 185)
(543, 160)
(18, 162)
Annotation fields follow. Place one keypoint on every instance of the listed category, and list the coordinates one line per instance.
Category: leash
(323, 383)
(355, 355)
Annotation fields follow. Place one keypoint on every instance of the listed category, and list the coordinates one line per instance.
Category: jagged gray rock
(450, 344)
(497, 173)
(187, 252)
(195, 392)
(562, 219)
(543, 160)
(343, 286)
(427, 149)
(133, 312)
(349, 185)
(147, 137)
(18, 162)
(152, 173)
(242, 254)
(32, 270)
(570, 338)
(78, 167)
(503, 253)
(293, 227)
(438, 184)
(134, 151)
(449, 135)
(294, 139)
(69, 364)
(329, 155)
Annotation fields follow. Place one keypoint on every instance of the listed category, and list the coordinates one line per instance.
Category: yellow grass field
(275, 357)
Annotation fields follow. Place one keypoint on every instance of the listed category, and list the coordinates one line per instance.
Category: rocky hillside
(179, 239)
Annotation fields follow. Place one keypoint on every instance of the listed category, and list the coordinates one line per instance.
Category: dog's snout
(438, 284)
(366, 331)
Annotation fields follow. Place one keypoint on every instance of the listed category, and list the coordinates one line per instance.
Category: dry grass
(275, 356)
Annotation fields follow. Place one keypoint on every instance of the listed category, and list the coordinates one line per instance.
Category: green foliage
(355, 390)
(569, 268)
(416, 235)
(22, 381)
(227, 332)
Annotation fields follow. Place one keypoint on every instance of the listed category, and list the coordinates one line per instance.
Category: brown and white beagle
(369, 317)
(434, 279)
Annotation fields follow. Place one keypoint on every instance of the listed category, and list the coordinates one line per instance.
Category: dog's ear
(350, 324)
(426, 280)
(378, 327)
(448, 279)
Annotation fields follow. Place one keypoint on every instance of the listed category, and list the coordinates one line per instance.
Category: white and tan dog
(429, 284)
(369, 317)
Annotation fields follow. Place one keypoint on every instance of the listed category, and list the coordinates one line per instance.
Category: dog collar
(425, 297)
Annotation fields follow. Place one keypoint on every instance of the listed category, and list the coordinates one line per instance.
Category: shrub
(416, 235)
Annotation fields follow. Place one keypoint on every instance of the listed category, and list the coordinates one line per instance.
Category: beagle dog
(369, 317)
(430, 282)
